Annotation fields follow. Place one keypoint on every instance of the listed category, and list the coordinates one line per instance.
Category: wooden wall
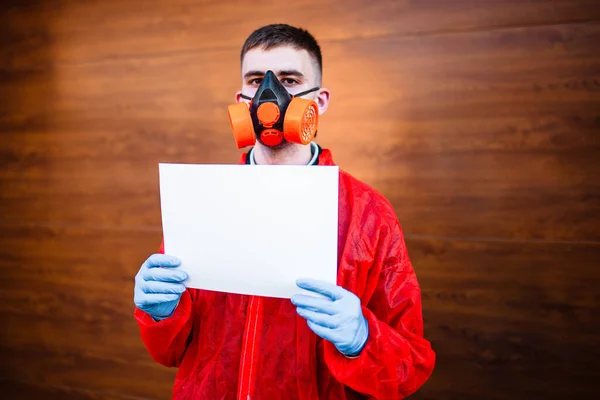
(479, 120)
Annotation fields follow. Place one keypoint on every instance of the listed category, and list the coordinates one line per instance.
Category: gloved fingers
(162, 287)
(324, 306)
(164, 275)
(162, 260)
(324, 320)
(332, 291)
(325, 333)
(154, 299)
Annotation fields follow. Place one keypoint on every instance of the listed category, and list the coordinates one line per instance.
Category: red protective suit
(230, 346)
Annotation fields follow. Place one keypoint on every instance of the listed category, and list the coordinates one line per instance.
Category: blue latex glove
(158, 290)
(337, 318)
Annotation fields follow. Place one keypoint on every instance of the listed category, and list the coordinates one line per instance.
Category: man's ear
(323, 100)
(238, 97)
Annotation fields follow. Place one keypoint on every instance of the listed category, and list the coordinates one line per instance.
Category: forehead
(281, 58)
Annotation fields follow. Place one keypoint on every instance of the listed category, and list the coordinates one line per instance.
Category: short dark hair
(274, 35)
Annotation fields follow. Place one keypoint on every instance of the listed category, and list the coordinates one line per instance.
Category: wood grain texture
(61, 31)
(478, 120)
(495, 121)
(23, 390)
(528, 312)
(67, 310)
(510, 320)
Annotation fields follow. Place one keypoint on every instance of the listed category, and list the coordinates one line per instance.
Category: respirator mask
(274, 116)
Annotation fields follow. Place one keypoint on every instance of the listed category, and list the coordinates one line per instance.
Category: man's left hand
(337, 318)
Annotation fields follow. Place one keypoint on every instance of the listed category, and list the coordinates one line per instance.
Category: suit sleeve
(167, 340)
(396, 359)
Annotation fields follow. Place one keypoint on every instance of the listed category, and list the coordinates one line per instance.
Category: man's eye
(289, 81)
(256, 81)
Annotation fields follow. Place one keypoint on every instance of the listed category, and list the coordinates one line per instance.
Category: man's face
(294, 68)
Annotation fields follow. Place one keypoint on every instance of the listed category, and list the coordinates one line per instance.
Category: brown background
(479, 120)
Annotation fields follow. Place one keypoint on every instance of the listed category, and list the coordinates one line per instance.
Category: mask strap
(306, 92)
(243, 96)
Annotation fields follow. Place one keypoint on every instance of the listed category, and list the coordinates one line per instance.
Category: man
(363, 339)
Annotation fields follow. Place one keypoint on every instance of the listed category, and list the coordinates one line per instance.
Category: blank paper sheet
(251, 229)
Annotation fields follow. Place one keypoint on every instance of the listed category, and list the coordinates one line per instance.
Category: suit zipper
(249, 349)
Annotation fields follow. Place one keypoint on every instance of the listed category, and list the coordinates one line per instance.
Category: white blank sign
(251, 229)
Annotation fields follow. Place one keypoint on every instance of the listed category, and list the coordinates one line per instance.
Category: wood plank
(33, 391)
(510, 320)
(60, 31)
(85, 262)
(537, 281)
(67, 310)
(500, 142)
(53, 367)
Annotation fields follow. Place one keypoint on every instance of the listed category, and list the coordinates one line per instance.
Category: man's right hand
(158, 286)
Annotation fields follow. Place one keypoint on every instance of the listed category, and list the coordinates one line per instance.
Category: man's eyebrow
(253, 73)
(291, 72)
(286, 72)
